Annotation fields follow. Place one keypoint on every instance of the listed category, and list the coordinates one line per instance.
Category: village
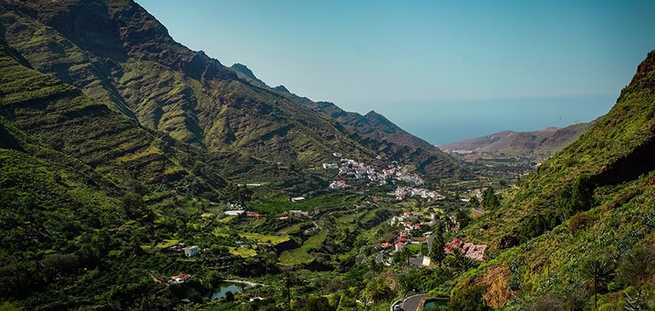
(365, 174)
(418, 220)
(413, 236)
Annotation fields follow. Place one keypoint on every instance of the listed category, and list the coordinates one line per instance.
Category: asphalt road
(412, 303)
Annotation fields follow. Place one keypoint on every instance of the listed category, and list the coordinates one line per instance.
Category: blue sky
(444, 70)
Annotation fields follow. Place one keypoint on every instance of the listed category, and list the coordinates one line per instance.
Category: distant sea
(442, 122)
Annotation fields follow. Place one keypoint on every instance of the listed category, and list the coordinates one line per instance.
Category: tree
(135, 208)
(576, 197)
(598, 269)
(229, 296)
(235, 193)
(438, 242)
(376, 290)
(489, 199)
(473, 203)
(403, 255)
(468, 298)
(462, 217)
(636, 266)
(319, 303)
(457, 262)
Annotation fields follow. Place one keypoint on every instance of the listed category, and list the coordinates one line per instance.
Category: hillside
(580, 223)
(62, 118)
(115, 52)
(536, 144)
(375, 132)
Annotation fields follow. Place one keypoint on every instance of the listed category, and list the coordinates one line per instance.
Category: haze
(443, 70)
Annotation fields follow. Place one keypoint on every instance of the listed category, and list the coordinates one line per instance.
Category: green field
(265, 238)
(242, 252)
(278, 203)
(301, 255)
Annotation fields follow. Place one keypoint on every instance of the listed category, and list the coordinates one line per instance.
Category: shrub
(579, 221)
(489, 199)
(468, 298)
(547, 303)
(637, 266)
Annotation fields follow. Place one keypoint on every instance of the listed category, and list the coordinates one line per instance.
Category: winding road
(411, 303)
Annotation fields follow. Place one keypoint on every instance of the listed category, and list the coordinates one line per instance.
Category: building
(298, 213)
(338, 184)
(420, 261)
(191, 251)
(469, 250)
(179, 279)
(234, 212)
(330, 166)
(297, 199)
(254, 215)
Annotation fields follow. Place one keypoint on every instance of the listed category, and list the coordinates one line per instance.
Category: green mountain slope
(88, 197)
(118, 53)
(72, 238)
(587, 211)
(372, 130)
(62, 118)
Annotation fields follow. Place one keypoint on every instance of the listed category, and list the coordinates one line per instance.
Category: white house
(234, 212)
(191, 251)
(330, 166)
(297, 199)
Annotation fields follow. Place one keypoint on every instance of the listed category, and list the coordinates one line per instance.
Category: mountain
(535, 144)
(61, 117)
(117, 53)
(580, 231)
(84, 190)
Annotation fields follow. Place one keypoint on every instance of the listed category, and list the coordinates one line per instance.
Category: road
(411, 303)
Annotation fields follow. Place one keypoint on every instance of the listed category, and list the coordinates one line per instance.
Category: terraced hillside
(62, 118)
(74, 238)
(584, 224)
(118, 53)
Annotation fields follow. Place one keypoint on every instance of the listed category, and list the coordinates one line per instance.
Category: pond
(433, 304)
(224, 288)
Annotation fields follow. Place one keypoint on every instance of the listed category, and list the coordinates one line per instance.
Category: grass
(265, 238)
(221, 232)
(293, 229)
(277, 203)
(167, 243)
(302, 254)
(242, 252)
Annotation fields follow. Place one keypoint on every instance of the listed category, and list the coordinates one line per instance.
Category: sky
(443, 70)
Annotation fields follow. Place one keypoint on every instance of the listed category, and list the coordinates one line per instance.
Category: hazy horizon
(443, 71)
(448, 121)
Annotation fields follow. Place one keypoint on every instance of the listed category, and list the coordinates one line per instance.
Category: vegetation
(121, 159)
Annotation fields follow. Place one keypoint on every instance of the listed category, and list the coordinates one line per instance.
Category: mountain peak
(281, 88)
(243, 69)
(378, 118)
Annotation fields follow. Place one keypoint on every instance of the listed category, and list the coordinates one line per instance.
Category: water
(434, 304)
(443, 122)
(225, 288)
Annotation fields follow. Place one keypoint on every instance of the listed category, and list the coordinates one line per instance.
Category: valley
(138, 174)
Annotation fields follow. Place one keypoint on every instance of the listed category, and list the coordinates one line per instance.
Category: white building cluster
(360, 171)
(402, 193)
